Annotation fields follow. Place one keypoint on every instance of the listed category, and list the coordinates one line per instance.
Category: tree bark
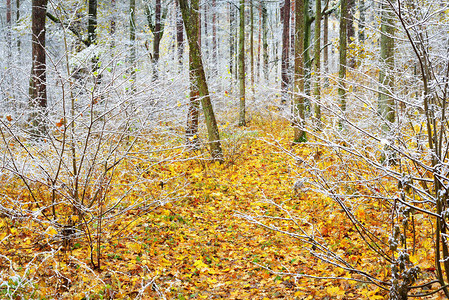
(342, 61)
(326, 46)
(351, 30)
(38, 81)
(157, 38)
(251, 45)
(386, 79)
(232, 22)
(113, 25)
(132, 41)
(307, 40)
(242, 87)
(179, 34)
(259, 42)
(17, 20)
(190, 18)
(285, 15)
(214, 36)
(298, 105)
(317, 65)
(362, 11)
(265, 39)
(192, 139)
(8, 29)
(92, 22)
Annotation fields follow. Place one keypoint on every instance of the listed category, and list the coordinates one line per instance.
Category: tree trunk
(307, 39)
(8, 30)
(265, 39)
(190, 18)
(92, 22)
(92, 36)
(317, 64)
(113, 25)
(351, 30)
(192, 139)
(298, 105)
(362, 11)
(242, 87)
(157, 38)
(285, 15)
(326, 46)
(259, 42)
(205, 43)
(179, 34)
(214, 36)
(251, 45)
(342, 62)
(132, 41)
(232, 22)
(386, 79)
(17, 20)
(38, 84)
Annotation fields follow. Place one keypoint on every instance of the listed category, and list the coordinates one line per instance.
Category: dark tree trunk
(317, 65)
(132, 41)
(112, 29)
(179, 34)
(326, 46)
(362, 11)
(259, 41)
(214, 35)
(17, 20)
(285, 15)
(242, 86)
(386, 78)
(351, 30)
(265, 40)
(157, 38)
(232, 22)
(298, 103)
(92, 22)
(38, 81)
(252, 48)
(190, 18)
(192, 139)
(8, 29)
(342, 61)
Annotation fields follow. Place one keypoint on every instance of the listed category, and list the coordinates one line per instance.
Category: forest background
(248, 149)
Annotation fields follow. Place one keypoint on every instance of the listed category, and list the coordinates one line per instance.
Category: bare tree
(317, 64)
(38, 81)
(242, 76)
(190, 18)
(298, 102)
(285, 61)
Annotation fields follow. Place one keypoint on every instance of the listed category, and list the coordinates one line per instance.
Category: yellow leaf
(52, 231)
(334, 291)
(299, 293)
(200, 265)
(211, 280)
(135, 247)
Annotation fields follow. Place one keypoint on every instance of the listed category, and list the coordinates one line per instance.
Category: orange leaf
(61, 122)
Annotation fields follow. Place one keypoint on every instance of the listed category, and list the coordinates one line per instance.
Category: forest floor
(200, 247)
